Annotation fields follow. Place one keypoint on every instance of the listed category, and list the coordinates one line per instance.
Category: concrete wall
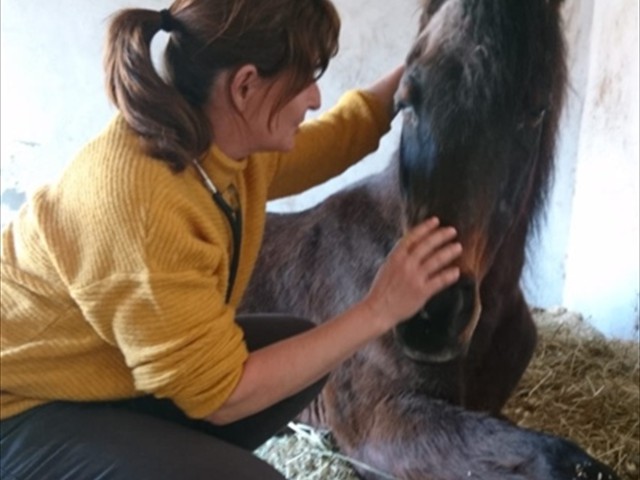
(585, 258)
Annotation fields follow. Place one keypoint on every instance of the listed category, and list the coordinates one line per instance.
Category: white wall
(545, 277)
(602, 254)
(586, 257)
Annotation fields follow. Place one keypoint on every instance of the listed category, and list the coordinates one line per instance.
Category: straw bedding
(579, 385)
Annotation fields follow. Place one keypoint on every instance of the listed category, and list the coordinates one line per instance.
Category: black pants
(147, 438)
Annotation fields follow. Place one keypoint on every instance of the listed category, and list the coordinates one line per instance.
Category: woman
(122, 356)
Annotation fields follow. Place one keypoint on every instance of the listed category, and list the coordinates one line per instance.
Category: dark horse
(481, 98)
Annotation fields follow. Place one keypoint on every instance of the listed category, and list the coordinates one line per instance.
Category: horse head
(480, 97)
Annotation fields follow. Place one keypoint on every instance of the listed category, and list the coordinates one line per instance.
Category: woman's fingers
(417, 234)
(423, 240)
(426, 245)
(440, 256)
(434, 249)
(420, 266)
(442, 279)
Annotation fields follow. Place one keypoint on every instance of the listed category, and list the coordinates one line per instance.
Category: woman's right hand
(419, 266)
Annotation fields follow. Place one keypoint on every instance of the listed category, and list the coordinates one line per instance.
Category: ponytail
(172, 129)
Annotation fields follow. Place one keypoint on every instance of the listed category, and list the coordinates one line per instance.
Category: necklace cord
(234, 217)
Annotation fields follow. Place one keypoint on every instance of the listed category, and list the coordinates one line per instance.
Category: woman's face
(276, 132)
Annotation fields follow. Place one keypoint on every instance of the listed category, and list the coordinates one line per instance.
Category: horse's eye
(400, 104)
(404, 96)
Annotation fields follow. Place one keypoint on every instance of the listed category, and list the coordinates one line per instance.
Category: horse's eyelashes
(411, 86)
(400, 104)
(415, 97)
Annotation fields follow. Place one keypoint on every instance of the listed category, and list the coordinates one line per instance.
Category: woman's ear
(243, 86)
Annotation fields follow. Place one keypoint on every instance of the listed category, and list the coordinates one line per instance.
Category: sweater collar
(221, 168)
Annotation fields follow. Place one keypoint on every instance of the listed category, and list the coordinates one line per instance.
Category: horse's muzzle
(439, 332)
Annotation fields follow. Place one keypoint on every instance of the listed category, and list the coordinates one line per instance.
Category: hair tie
(166, 20)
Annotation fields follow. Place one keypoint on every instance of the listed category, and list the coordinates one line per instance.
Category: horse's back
(317, 262)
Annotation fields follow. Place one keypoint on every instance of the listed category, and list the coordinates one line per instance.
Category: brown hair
(208, 36)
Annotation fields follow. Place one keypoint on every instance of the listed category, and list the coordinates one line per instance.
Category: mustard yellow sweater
(114, 277)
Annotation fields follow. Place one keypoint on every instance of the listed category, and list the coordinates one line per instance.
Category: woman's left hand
(385, 88)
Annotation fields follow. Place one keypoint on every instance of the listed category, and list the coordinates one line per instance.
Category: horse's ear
(429, 8)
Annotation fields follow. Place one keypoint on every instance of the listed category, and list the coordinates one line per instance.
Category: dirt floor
(579, 385)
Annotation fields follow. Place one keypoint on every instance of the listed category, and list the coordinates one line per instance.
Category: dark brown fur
(482, 95)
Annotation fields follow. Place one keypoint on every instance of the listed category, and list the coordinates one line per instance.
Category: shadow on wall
(11, 200)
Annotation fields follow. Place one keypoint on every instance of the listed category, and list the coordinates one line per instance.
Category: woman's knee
(97, 441)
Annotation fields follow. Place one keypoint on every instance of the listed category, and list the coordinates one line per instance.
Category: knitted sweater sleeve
(328, 145)
(175, 347)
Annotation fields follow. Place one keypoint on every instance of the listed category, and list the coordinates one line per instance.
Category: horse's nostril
(424, 316)
(433, 333)
(451, 304)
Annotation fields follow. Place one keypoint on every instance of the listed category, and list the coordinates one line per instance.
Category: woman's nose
(313, 95)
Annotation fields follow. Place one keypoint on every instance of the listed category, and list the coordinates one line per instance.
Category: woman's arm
(417, 268)
(328, 145)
